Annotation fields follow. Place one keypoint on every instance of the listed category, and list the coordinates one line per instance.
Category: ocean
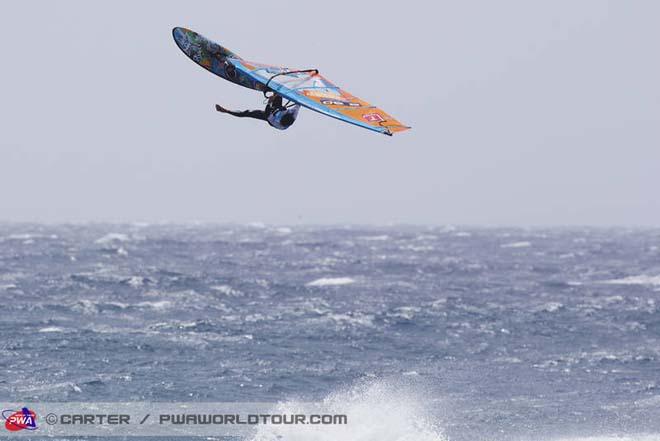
(422, 333)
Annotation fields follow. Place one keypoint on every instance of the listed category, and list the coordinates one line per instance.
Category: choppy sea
(428, 333)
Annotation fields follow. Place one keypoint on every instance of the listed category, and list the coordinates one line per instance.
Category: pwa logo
(24, 419)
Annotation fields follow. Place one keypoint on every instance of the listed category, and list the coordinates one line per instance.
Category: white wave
(51, 329)
(425, 237)
(112, 237)
(521, 244)
(91, 307)
(85, 306)
(375, 411)
(439, 303)
(227, 290)
(417, 248)
(353, 319)
(136, 281)
(382, 237)
(253, 318)
(157, 305)
(508, 360)
(327, 261)
(598, 303)
(574, 283)
(463, 234)
(635, 280)
(549, 307)
(405, 312)
(331, 281)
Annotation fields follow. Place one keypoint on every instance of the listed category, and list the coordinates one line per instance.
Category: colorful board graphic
(212, 57)
(305, 87)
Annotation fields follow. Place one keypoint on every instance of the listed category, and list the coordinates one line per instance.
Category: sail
(310, 89)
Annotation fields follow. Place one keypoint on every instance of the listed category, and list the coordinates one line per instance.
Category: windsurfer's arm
(274, 102)
(277, 101)
(256, 114)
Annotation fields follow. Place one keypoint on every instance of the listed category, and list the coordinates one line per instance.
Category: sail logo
(373, 117)
(17, 420)
(340, 103)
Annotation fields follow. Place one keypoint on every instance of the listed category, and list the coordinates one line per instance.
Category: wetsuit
(273, 113)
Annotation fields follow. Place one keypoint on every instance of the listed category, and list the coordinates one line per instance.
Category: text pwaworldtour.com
(157, 419)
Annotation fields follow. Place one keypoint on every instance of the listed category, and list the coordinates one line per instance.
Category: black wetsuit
(272, 106)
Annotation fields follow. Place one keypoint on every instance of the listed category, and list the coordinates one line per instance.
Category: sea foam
(331, 281)
(376, 410)
(635, 280)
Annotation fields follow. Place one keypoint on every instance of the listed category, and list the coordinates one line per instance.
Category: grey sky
(523, 113)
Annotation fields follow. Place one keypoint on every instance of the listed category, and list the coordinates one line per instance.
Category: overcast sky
(523, 113)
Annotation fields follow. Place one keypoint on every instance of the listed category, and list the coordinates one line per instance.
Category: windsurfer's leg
(256, 114)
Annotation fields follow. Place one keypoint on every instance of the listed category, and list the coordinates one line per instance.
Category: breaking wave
(376, 410)
(522, 244)
(635, 280)
(331, 281)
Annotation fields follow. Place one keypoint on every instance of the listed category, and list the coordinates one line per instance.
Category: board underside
(212, 57)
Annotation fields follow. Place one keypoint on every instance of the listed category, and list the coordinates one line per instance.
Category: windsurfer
(276, 114)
